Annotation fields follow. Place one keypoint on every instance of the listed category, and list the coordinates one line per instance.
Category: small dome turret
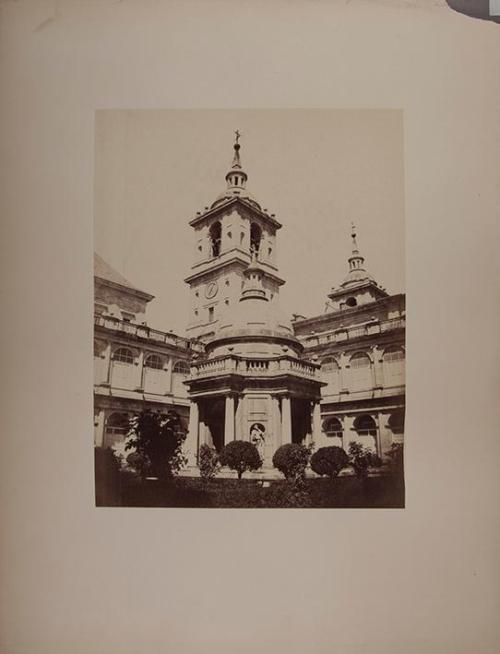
(236, 179)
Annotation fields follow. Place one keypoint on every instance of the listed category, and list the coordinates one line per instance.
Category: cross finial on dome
(355, 260)
(236, 177)
(353, 236)
(236, 159)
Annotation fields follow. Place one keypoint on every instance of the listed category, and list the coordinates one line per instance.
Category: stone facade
(360, 345)
(135, 367)
(252, 383)
(246, 372)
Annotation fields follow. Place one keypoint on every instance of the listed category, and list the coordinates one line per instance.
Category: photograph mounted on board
(247, 357)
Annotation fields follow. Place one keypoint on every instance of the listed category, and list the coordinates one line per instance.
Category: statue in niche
(257, 431)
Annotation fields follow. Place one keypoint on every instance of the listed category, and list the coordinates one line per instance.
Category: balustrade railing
(356, 331)
(254, 367)
(145, 332)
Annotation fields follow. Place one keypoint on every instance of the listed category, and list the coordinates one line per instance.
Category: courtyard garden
(152, 474)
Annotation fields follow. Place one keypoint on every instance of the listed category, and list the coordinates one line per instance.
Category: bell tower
(358, 287)
(228, 235)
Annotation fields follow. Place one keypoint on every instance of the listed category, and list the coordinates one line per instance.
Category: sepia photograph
(232, 203)
(246, 356)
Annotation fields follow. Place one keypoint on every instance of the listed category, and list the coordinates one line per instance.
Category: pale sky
(317, 170)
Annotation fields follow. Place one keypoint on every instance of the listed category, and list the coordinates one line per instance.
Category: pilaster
(139, 377)
(378, 370)
(343, 373)
(99, 428)
(191, 443)
(286, 420)
(106, 365)
(316, 423)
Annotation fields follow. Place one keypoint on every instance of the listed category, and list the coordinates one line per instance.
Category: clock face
(211, 290)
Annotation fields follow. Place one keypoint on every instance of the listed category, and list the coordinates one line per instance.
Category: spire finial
(236, 177)
(236, 146)
(353, 236)
(355, 260)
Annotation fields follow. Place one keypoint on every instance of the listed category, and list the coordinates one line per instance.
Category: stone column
(229, 420)
(191, 443)
(239, 418)
(316, 419)
(275, 404)
(286, 420)
(381, 435)
(349, 434)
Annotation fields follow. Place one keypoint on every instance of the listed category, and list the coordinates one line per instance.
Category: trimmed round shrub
(208, 462)
(329, 461)
(361, 458)
(291, 460)
(241, 456)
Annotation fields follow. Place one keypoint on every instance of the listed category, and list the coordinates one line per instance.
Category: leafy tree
(362, 458)
(208, 462)
(395, 458)
(241, 456)
(291, 460)
(329, 461)
(157, 440)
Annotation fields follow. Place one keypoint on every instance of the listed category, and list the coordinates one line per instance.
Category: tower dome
(255, 325)
(357, 272)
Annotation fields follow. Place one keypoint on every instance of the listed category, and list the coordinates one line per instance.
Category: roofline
(323, 317)
(346, 290)
(128, 289)
(213, 211)
(227, 262)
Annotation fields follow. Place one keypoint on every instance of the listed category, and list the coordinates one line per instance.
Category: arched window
(153, 361)
(331, 375)
(215, 238)
(255, 238)
(394, 366)
(333, 428)
(397, 422)
(181, 367)
(117, 427)
(360, 373)
(329, 364)
(154, 380)
(365, 426)
(360, 360)
(124, 355)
